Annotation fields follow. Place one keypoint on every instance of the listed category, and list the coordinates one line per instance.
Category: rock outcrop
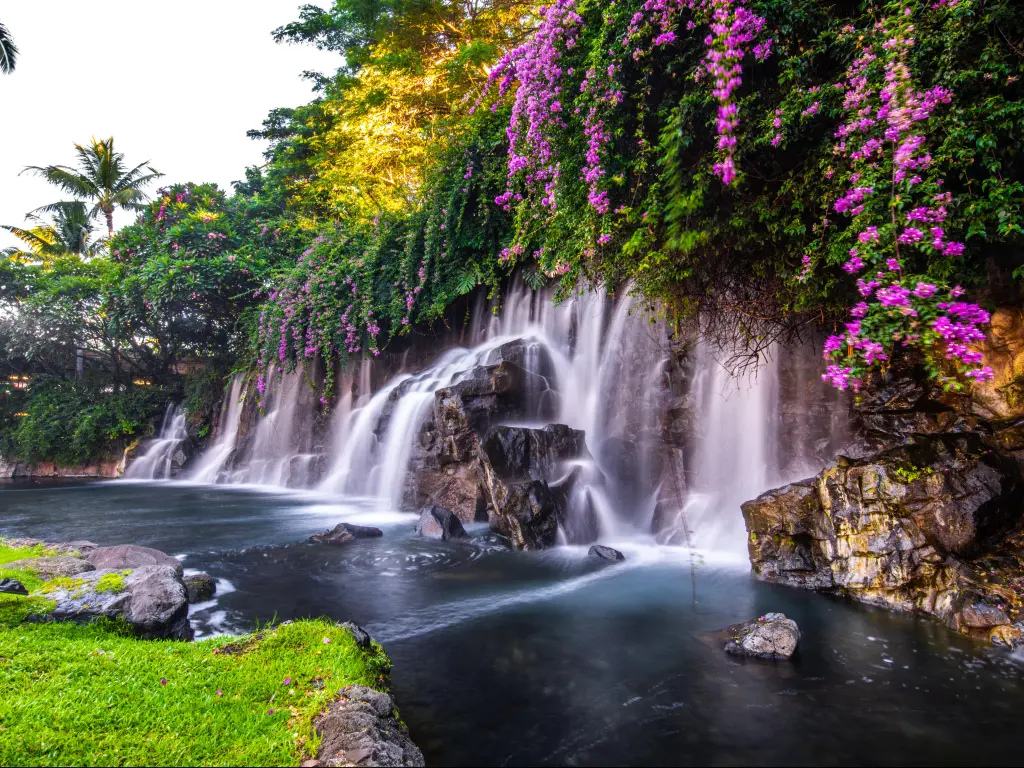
(897, 529)
(771, 637)
(361, 728)
(151, 599)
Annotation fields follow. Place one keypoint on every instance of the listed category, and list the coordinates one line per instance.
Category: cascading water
(602, 367)
(158, 461)
(213, 462)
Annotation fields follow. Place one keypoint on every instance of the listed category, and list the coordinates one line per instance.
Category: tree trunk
(110, 222)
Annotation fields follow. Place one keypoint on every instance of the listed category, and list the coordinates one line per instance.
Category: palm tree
(69, 232)
(101, 179)
(8, 51)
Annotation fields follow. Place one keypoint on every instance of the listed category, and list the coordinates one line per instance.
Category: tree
(8, 51)
(69, 232)
(101, 179)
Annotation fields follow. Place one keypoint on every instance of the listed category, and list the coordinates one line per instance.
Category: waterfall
(214, 460)
(159, 459)
(734, 443)
(603, 365)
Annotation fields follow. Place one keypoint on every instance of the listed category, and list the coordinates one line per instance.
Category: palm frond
(8, 51)
(66, 179)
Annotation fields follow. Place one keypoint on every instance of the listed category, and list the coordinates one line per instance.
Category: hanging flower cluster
(898, 210)
(543, 94)
(323, 309)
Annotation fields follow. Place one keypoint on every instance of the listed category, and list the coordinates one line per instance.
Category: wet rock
(892, 529)
(360, 728)
(458, 487)
(55, 567)
(1007, 635)
(12, 587)
(522, 453)
(525, 513)
(979, 615)
(634, 466)
(773, 636)
(151, 599)
(439, 523)
(602, 552)
(200, 587)
(132, 556)
(345, 533)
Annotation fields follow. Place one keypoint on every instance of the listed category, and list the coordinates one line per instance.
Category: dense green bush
(69, 423)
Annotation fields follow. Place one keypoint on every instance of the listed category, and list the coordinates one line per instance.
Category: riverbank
(94, 694)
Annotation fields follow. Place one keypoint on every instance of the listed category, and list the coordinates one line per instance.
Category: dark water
(504, 658)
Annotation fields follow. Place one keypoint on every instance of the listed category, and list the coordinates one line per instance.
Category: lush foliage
(72, 423)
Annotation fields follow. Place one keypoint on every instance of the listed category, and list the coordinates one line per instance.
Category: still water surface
(505, 658)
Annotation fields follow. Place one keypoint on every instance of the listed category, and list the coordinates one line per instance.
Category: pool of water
(505, 658)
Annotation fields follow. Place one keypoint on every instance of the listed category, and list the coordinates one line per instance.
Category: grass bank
(94, 695)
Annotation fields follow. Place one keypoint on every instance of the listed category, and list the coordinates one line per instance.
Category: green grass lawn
(94, 695)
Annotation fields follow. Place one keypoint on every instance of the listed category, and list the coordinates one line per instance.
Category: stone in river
(773, 636)
(132, 556)
(48, 568)
(200, 587)
(439, 523)
(345, 533)
(602, 552)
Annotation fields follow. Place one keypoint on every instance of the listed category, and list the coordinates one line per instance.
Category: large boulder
(132, 556)
(517, 463)
(439, 523)
(771, 637)
(55, 567)
(891, 529)
(152, 599)
(361, 728)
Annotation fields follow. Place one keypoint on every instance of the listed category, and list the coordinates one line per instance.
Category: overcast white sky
(176, 83)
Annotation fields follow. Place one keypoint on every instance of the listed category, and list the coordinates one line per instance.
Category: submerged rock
(151, 598)
(439, 523)
(773, 636)
(360, 728)
(345, 533)
(132, 556)
(602, 552)
(12, 587)
(55, 567)
(893, 529)
(200, 587)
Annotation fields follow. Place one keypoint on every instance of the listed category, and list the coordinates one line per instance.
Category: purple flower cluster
(884, 136)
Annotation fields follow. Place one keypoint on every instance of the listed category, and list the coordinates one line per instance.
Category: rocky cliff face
(932, 521)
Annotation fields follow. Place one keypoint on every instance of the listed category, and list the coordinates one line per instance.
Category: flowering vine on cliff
(898, 207)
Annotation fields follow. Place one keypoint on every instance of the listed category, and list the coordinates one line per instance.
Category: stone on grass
(602, 552)
(12, 587)
(360, 635)
(345, 533)
(55, 567)
(773, 636)
(200, 587)
(132, 556)
(151, 599)
(439, 523)
(360, 728)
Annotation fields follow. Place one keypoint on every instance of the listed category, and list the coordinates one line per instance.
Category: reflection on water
(504, 658)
